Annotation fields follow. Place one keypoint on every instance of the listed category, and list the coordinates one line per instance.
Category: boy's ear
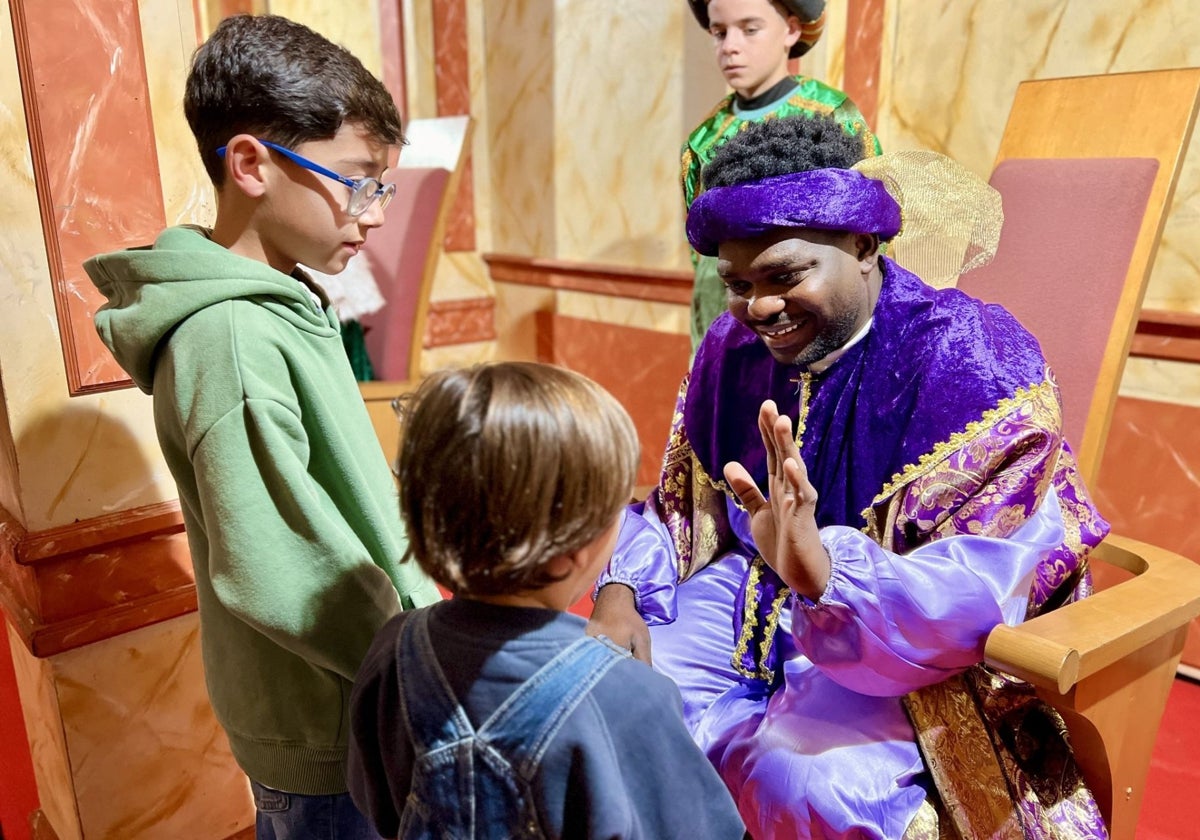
(793, 31)
(245, 165)
(562, 565)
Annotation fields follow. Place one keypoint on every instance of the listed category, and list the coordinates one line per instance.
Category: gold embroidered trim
(798, 101)
(750, 621)
(805, 383)
(958, 440)
(685, 167)
(717, 484)
(769, 632)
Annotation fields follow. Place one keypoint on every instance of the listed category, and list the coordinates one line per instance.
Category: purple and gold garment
(949, 503)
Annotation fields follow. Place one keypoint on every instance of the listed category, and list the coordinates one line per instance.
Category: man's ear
(866, 245)
(246, 165)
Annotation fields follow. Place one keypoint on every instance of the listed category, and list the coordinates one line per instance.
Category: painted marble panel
(481, 173)
(950, 70)
(450, 60)
(168, 40)
(460, 274)
(452, 74)
(647, 389)
(391, 44)
(353, 24)
(47, 740)
(1161, 380)
(827, 59)
(420, 83)
(89, 457)
(516, 319)
(1149, 483)
(522, 118)
(141, 696)
(616, 146)
(642, 314)
(99, 114)
(863, 51)
(71, 464)
(457, 356)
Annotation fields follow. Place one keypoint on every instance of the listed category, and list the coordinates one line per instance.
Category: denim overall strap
(525, 724)
(429, 709)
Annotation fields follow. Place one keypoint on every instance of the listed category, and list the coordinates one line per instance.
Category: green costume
(808, 97)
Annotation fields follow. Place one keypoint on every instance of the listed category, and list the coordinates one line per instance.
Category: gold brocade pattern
(806, 104)
(686, 486)
(969, 781)
(926, 825)
(1038, 405)
(1031, 739)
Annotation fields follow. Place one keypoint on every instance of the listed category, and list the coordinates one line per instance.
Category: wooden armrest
(1058, 649)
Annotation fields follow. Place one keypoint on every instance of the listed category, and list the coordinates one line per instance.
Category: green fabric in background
(355, 343)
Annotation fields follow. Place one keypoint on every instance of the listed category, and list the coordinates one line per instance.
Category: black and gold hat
(810, 12)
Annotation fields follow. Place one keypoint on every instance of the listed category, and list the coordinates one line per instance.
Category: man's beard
(835, 335)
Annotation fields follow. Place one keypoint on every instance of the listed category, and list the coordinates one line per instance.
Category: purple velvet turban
(827, 199)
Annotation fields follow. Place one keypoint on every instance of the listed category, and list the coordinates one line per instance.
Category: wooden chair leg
(1113, 717)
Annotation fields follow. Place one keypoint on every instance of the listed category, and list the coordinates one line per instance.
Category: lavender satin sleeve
(645, 561)
(888, 624)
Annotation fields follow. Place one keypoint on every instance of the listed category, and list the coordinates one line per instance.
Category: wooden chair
(1108, 662)
(404, 256)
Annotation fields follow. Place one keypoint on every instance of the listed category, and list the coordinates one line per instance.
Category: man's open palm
(784, 526)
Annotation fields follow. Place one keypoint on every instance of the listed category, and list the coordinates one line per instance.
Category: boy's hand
(615, 615)
(785, 527)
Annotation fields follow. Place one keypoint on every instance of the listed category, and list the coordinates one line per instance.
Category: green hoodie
(290, 509)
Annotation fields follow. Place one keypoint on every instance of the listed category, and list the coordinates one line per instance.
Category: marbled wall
(618, 118)
(354, 25)
(951, 68)
(125, 743)
(520, 73)
(87, 456)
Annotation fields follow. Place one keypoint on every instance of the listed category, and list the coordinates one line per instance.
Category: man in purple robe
(865, 475)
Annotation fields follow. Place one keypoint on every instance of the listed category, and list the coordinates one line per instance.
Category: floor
(1174, 769)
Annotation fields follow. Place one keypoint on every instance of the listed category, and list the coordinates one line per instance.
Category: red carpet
(1174, 769)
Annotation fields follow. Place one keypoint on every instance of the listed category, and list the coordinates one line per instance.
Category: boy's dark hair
(279, 80)
(505, 466)
(782, 146)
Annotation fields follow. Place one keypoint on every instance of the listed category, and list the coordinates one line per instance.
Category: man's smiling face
(804, 292)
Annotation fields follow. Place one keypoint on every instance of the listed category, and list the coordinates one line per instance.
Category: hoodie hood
(151, 290)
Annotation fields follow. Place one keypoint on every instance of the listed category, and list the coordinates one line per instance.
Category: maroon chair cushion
(1070, 226)
(397, 252)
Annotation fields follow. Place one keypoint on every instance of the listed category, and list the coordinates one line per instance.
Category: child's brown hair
(505, 466)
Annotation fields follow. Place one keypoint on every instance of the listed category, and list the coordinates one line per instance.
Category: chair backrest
(1116, 652)
(1120, 115)
(404, 252)
(1070, 229)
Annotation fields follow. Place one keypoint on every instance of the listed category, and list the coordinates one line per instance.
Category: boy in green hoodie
(288, 502)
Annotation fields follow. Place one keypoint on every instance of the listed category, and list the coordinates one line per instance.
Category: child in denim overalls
(493, 715)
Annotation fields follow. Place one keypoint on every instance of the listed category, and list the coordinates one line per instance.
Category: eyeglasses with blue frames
(363, 192)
